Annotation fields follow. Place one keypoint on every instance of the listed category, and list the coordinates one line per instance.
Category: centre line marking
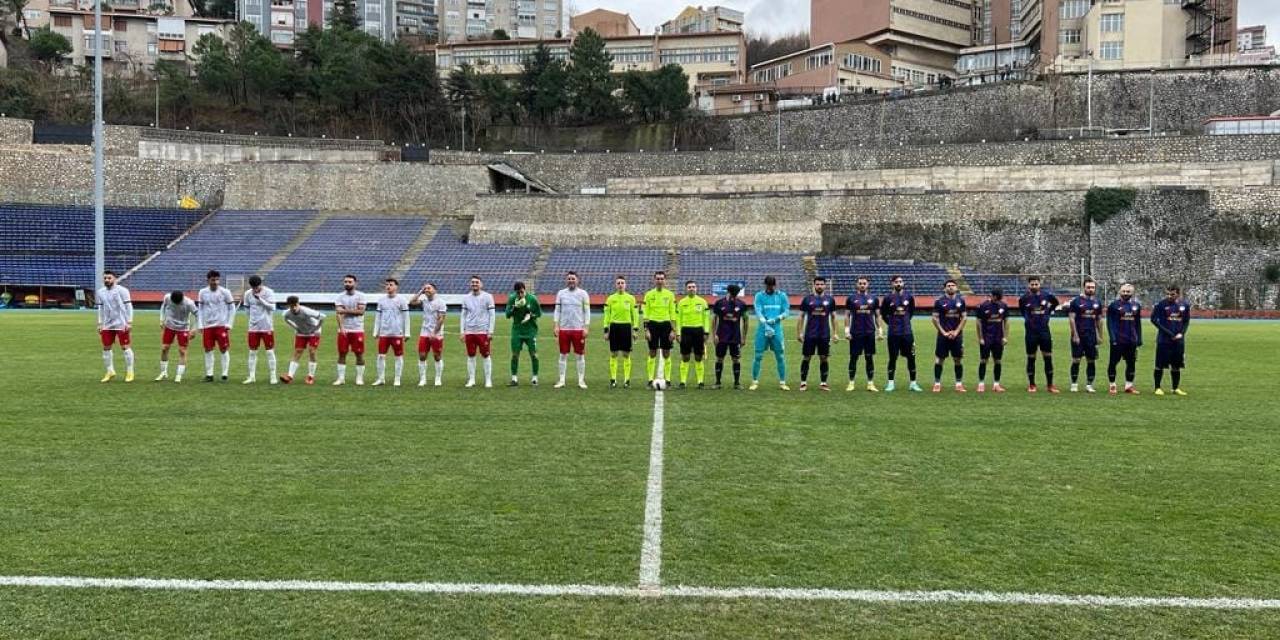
(651, 551)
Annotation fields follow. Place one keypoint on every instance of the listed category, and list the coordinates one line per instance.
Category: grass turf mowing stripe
(608, 591)
(651, 550)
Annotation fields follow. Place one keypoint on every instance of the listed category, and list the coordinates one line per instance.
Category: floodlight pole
(99, 248)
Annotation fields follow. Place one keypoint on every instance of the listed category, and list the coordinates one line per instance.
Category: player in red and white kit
(391, 328)
(115, 319)
(176, 313)
(306, 323)
(260, 300)
(349, 306)
(431, 339)
(478, 318)
(217, 313)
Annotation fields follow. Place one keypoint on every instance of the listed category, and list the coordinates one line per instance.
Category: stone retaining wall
(15, 131)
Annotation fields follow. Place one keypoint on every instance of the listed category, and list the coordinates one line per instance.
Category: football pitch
(224, 510)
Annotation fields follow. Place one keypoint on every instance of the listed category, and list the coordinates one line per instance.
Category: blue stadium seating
(706, 267)
(233, 242)
(597, 268)
(449, 263)
(53, 245)
(921, 277)
(368, 247)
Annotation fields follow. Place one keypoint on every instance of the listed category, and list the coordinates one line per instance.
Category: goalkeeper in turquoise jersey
(771, 307)
(524, 311)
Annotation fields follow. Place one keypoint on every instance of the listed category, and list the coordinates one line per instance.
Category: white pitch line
(651, 550)
(609, 591)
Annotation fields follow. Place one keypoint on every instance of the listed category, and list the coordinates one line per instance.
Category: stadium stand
(234, 242)
(707, 267)
(921, 277)
(368, 247)
(449, 263)
(53, 245)
(597, 268)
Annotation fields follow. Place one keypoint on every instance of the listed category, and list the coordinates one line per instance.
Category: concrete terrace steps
(419, 245)
(303, 234)
(539, 267)
(673, 266)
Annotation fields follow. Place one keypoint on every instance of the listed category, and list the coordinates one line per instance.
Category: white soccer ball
(659, 384)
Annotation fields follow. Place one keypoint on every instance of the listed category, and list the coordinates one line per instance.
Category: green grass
(1068, 494)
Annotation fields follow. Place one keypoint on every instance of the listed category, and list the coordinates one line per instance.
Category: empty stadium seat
(368, 247)
(449, 263)
(597, 268)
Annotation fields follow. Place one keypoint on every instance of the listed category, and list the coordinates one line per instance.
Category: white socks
(164, 367)
(342, 372)
(471, 369)
(439, 370)
(563, 365)
(422, 372)
(182, 368)
(109, 360)
(582, 369)
(128, 360)
(293, 367)
(253, 364)
(381, 366)
(208, 364)
(488, 372)
(399, 367)
(226, 363)
(271, 362)
(359, 374)
(311, 369)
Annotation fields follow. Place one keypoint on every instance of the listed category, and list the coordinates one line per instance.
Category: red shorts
(351, 341)
(477, 342)
(430, 344)
(110, 336)
(264, 338)
(216, 336)
(303, 342)
(395, 344)
(169, 335)
(575, 339)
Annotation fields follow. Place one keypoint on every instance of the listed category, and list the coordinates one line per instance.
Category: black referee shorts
(693, 341)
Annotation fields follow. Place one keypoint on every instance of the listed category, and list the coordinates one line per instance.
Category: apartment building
(609, 24)
(462, 20)
(708, 20)
(416, 19)
(922, 37)
(280, 20)
(131, 42)
(1136, 34)
(1254, 37)
(709, 59)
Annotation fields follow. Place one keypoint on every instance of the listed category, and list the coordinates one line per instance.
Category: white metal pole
(99, 248)
(1151, 106)
(1089, 93)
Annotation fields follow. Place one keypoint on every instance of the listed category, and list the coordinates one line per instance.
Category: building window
(1073, 9)
(1069, 36)
(1112, 22)
(818, 60)
(62, 21)
(151, 48)
(1113, 50)
(861, 63)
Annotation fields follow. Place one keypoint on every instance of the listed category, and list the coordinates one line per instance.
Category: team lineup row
(688, 321)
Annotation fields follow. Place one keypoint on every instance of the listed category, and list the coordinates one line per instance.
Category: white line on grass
(651, 550)
(607, 591)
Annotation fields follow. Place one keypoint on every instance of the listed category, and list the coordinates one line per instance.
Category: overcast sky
(784, 16)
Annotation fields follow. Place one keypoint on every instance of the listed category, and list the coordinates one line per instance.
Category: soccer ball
(659, 384)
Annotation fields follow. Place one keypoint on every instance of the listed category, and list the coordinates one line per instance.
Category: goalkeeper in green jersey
(523, 310)
(621, 324)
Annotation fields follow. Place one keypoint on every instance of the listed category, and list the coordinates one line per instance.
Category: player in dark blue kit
(1037, 309)
(1171, 317)
(949, 318)
(993, 335)
(729, 333)
(1084, 316)
(815, 330)
(897, 309)
(1124, 326)
(862, 328)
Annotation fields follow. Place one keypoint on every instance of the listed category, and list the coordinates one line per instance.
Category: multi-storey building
(416, 19)
(280, 20)
(922, 37)
(132, 42)
(609, 24)
(709, 59)
(462, 20)
(1133, 34)
(708, 20)
(1254, 37)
